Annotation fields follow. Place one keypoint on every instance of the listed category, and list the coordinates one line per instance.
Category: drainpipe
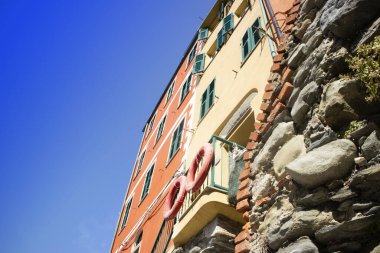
(271, 46)
(272, 17)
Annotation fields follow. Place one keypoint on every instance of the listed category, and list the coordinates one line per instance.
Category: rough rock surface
(324, 164)
(303, 244)
(340, 100)
(346, 17)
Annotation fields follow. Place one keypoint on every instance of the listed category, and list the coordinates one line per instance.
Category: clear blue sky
(78, 80)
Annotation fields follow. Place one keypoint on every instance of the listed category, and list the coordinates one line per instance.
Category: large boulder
(344, 18)
(288, 153)
(324, 164)
(341, 101)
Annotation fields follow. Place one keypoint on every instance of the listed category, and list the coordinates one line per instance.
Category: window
(170, 92)
(137, 243)
(185, 88)
(160, 128)
(148, 179)
(199, 63)
(151, 123)
(191, 55)
(251, 38)
(176, 140)
(228, 25)
(141, 160)
(207, 98)
(202, 33)
(126, 213)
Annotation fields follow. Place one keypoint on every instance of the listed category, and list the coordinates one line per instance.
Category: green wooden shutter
(160, 128)
(203, 103)
(185, 88)
(176, 140)
(202, 33)
(126, 213)
(199, 63)
(211, 94)
(246, 43)
(148, 179)
(256, 33)
(228, 23)
(141, 160)
(220, 40)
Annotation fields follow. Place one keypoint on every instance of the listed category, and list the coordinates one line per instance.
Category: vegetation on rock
(365, 66)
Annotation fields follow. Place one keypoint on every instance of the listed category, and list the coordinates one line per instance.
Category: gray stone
(179, 250)
(300, 32)
(302, 245)
(346, 247)
(324, 164)
(216, 236)
(370, 34)
(374, 210)
(302, 223)
(299, 111)
(313, 43)
(345, 206)
(356, 227)
(280, 212)
(317, 197)
(367, 178)
(339, 102)
(344, 18)
(343, 194)
(293, 98)
(297, 56)
(306, 98)
(289, 152)
(313, 27)
(371, 146)
(321, 138)
(280, 135)
(361, 206)
(335, 63)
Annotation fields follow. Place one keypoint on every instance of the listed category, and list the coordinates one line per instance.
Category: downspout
(271, 46)
(272, 17)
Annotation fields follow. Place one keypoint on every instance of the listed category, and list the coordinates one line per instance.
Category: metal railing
(218, 176)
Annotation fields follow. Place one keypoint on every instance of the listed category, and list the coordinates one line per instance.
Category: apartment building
(212, 98)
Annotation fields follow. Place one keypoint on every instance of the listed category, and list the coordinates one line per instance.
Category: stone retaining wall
(305, 188)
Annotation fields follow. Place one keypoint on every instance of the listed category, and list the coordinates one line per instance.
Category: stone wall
(311, 187)
(216, 236)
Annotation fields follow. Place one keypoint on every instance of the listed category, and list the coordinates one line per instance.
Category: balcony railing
(219, 174)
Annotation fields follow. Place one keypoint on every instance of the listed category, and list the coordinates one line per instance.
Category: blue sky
(78, 80)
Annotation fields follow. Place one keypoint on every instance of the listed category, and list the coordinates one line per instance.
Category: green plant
(365, 66)
(352, 127)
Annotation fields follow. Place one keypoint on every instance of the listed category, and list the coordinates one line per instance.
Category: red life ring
(207, 153)
(171, 209)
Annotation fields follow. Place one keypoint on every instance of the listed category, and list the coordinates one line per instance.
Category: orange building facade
(161, 155)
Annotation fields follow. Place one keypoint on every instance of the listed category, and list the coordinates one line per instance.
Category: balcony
(201, 207)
